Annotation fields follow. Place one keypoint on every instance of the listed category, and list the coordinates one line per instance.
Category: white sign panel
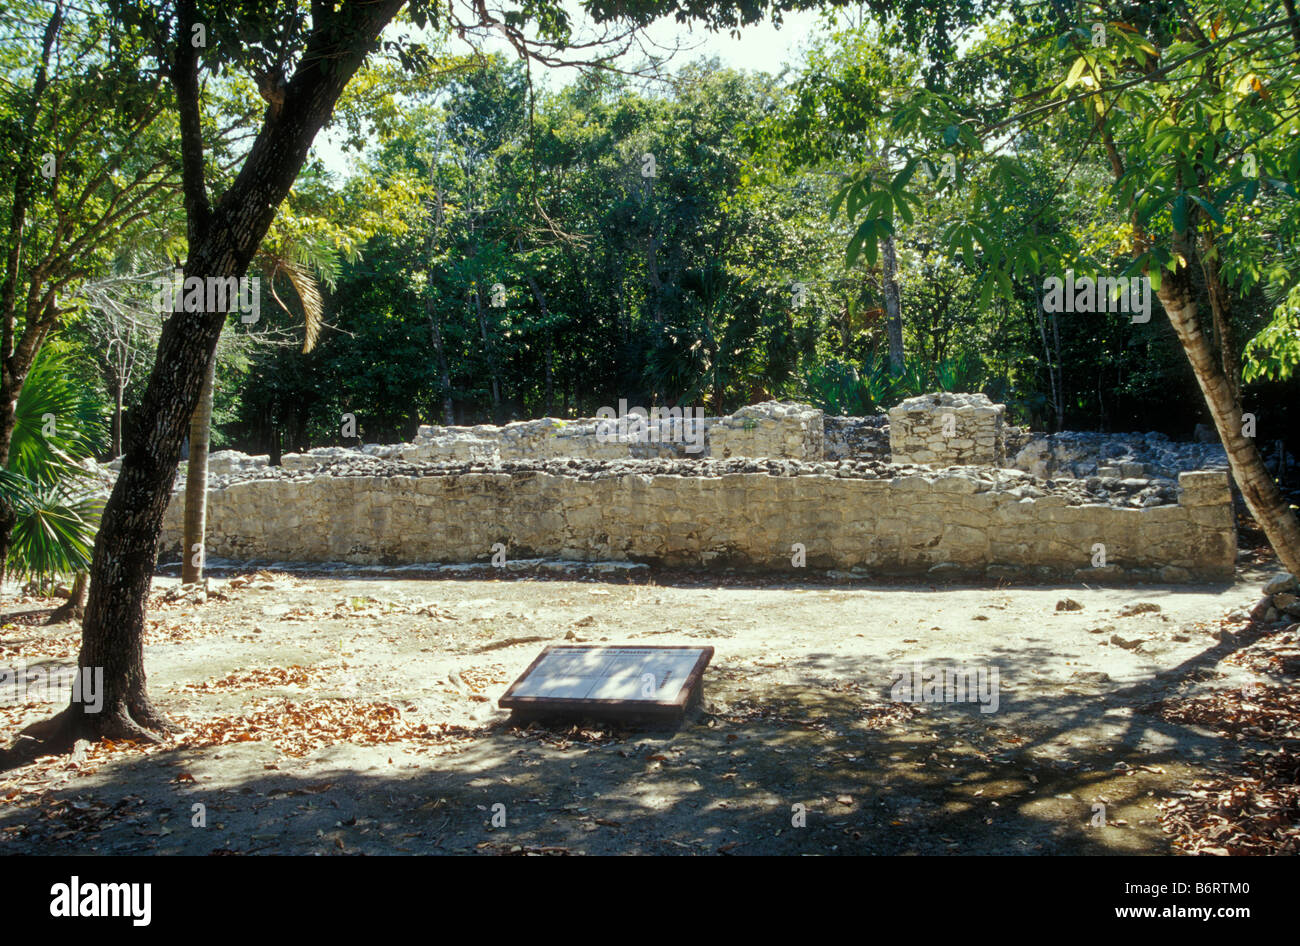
(651, 676)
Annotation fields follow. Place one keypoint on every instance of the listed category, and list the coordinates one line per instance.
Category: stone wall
(856, 438)
(770, 429)
(948, 430)
(868, 517)
(793, 431)
(1077, 454)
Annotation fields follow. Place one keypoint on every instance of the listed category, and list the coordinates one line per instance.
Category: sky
(759, 47)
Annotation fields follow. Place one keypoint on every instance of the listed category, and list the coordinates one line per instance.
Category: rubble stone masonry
(867, 516)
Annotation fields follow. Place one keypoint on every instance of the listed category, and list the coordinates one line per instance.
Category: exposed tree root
(68, 611)
(59, 734)
(142, 712)
(74, 609)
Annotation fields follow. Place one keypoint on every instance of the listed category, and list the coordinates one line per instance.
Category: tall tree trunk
(893, 308)
(1262, 496)
(222, 241)
(653, 276)
(550, 345)
(430, 310)
(444, 376)
(550, 372)
(117, 419)
(1060, 374)
(1220, 311)
(1219, 380)
(1051, 368)
(75, 606)
(8, 421)
(489, 352)
(194, 545)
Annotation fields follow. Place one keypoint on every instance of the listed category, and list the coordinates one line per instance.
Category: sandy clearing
(796, 712)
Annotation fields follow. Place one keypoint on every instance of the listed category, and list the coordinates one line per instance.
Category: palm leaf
(307, 288)
(55, 529)
(56, 422)
(57, 427)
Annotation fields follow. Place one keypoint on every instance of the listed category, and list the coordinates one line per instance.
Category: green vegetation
(45, 481)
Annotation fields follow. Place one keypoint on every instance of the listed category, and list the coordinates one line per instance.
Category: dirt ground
(355, 713)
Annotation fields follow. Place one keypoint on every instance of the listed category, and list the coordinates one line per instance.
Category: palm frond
(306, 285)
(56, 422)
(55, 529)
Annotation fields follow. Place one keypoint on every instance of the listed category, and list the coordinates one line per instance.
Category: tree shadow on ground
(873, 777)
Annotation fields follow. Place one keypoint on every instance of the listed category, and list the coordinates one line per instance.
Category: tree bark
(194, 544)
(1221, 311)
(75, 606)
(435, 326)
(550, 345)
(444, 376)
(893, 308)
(117, 419)
(8, 421)
(489, 352)
(1051, 368)
(1260, 492)
(1060, 374)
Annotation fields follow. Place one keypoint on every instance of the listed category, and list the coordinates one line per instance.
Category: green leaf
(900, 204)
(838, 200)
(1210, 209)
(852, 252)
(1076, 71)
(1179, 214)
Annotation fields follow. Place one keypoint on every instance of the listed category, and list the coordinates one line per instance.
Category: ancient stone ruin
(945, 487)
(948, 430)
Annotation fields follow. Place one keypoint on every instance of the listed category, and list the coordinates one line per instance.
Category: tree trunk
(75, 606)
(435, 326)
(550, 373)
(126, 547)
(1051, 368)
(893, 309)
(194, 545)
(489, 353)
(1060, 373)
(117, 420)
(1262, 496)
(8, 421)
(550, 345)
(653, 277)
(222, 241)
(444, 376)
(1221, 311)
